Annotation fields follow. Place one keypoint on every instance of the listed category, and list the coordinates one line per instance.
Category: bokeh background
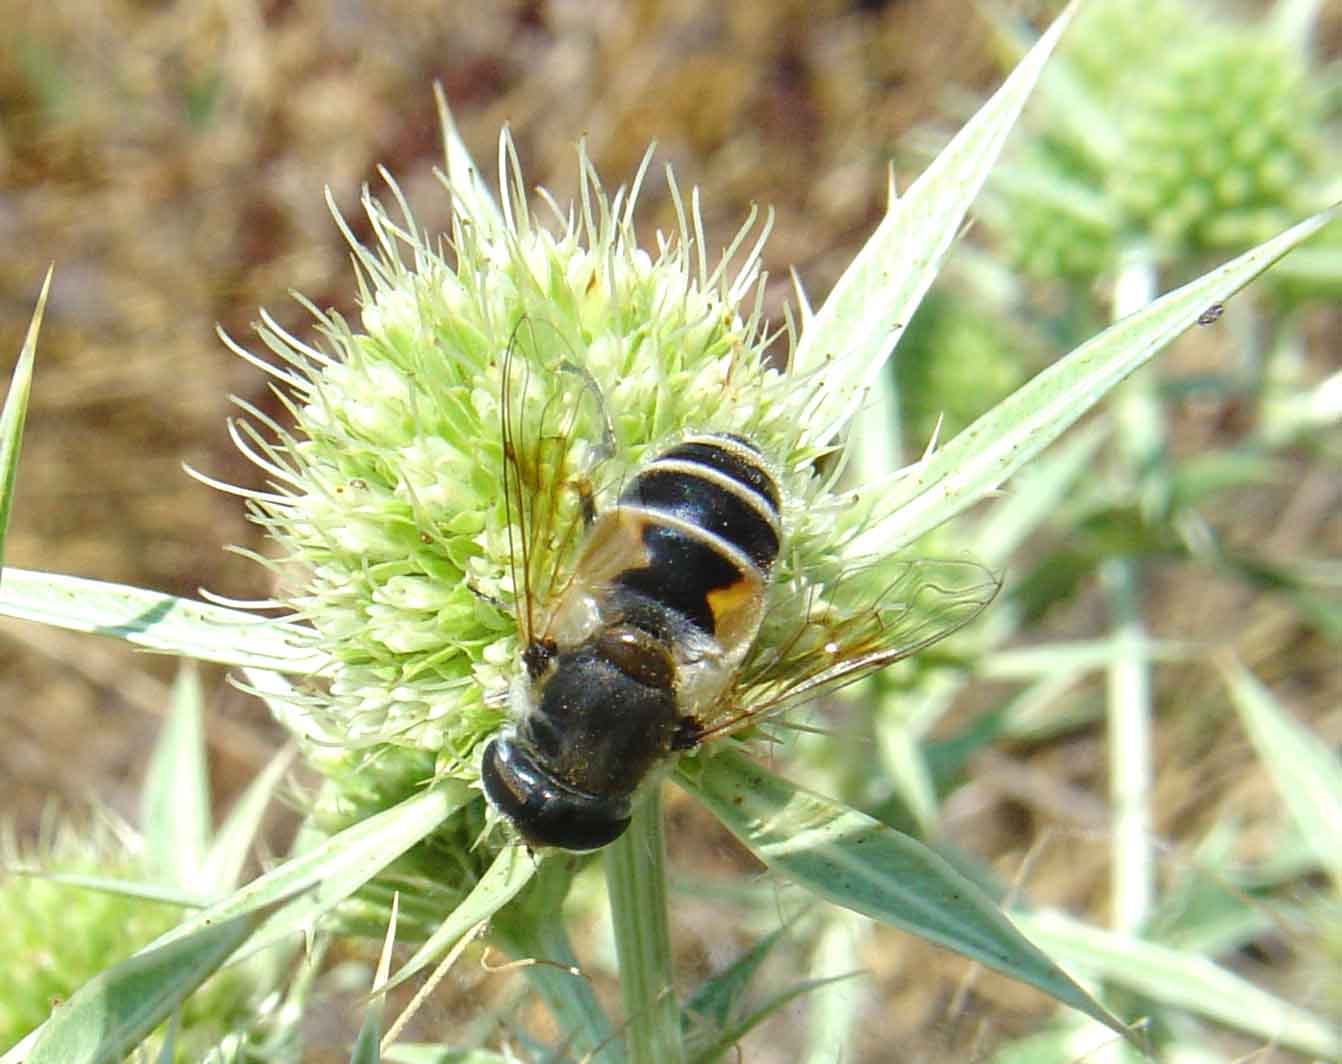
(172, 160)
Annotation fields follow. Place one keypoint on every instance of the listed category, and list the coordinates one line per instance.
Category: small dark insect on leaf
(1212, 314)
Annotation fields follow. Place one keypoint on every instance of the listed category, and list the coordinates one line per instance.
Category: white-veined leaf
(1008, 436)
(236, 835)
(1307, 774)
(1177, 978)
(855, 861)
(511, 871)
(851, 336)
(175, 802)
(114, 1011)
(157, 621)
(327, 875)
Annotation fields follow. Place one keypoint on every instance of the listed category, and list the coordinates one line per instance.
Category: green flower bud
(1198, 134)
(953, 364)
(1114, 42)
(1051, 220)
(1219, 141)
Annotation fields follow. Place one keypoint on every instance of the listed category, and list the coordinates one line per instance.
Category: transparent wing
(554, 430)
(870, 617)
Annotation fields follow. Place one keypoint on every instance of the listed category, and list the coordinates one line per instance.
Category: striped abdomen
(666, 598)
(706, 514)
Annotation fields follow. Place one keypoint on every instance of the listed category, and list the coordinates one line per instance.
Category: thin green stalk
(1141, 439)
(636, 882)
(1132, 876)
(836, 1009)
(1141, 422)
(1294, 22)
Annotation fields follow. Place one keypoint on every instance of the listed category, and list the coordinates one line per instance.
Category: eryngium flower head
(1169, 126)
(1220, 142)
(387, 498)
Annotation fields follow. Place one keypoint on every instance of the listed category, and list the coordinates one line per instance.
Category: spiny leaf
(852, 860)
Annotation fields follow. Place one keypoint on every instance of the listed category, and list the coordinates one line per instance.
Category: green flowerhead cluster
(1169, 126)
(1052, 218)
(399, 549)
(1115, 43)
(947, 392)
(1219, 144)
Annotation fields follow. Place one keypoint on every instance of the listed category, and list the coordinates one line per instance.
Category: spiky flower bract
(387, 497)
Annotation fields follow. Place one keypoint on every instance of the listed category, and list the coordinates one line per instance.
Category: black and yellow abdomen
(666, 598)
(707, 516)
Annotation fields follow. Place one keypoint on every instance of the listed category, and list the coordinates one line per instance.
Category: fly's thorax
(606, 713)
(587, 732)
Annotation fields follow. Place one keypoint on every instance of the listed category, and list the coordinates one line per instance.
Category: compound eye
(544, 810)
(638, 655)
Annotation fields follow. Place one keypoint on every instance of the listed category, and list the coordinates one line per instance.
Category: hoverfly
(637, 624)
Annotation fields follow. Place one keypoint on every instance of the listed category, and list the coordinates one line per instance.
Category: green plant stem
(1141, 440)
(1133, 872)
(636, 881)
(836, 1010)
(1140, 418)
(1294, 22)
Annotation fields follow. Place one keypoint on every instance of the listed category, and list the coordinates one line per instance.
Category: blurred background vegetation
(171, 160)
